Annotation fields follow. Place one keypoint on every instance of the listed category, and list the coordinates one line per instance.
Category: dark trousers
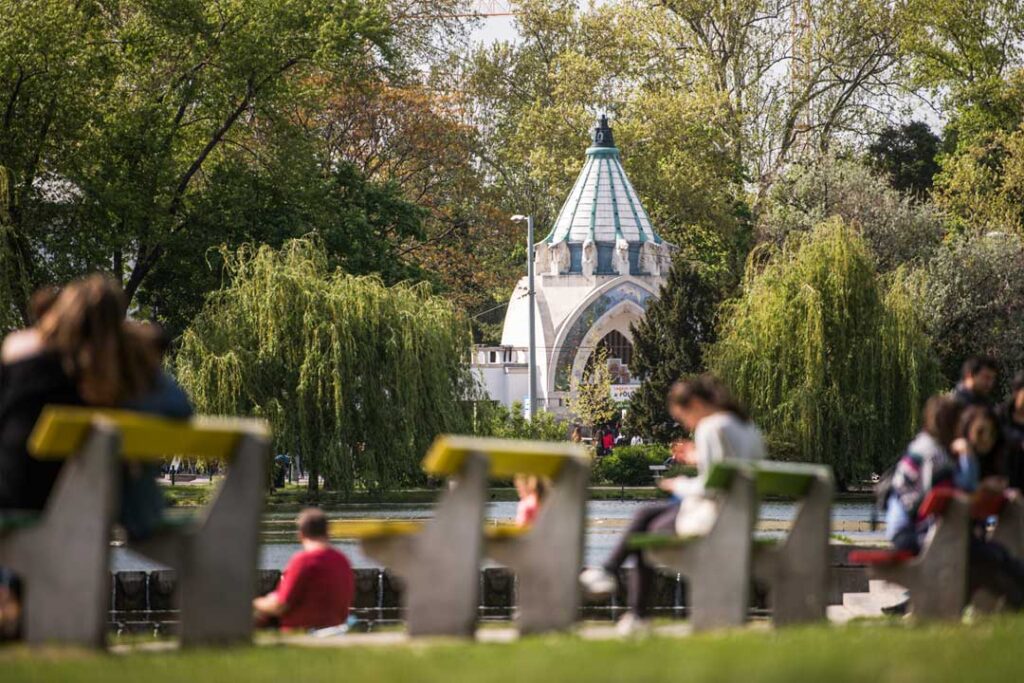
(993, 568)
(990, 566)
(657, 517)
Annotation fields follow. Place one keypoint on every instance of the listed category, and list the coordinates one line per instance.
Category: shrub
(630, 465)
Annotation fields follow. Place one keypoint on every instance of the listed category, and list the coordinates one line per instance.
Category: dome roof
(603, 206)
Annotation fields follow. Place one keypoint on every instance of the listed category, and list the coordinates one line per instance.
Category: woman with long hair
(81, 351)
(721, 430)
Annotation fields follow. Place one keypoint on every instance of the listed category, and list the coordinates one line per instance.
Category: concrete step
(871, 604)
(879, 587)
(837, 614)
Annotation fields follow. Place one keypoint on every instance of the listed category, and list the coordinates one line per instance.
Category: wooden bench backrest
(788, 479)
(507, 457)
(61, 431)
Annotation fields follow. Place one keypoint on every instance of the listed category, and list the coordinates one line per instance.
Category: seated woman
(945, 455)
(721, 431)
(80, 352)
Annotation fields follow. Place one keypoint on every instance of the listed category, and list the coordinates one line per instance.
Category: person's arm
(269, 606)
(278, 602)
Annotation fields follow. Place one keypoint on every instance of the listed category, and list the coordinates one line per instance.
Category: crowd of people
(81, 349)
(607, 437)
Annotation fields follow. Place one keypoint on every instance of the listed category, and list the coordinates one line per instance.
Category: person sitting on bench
(317, 586)
(721, 430)
(928, 464)
(531, 489)
(79, 352)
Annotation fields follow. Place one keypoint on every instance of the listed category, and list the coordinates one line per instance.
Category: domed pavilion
(596, 271)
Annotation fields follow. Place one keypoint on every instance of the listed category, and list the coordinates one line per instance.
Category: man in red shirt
(317, 586)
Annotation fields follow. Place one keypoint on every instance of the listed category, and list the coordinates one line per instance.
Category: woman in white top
(721, 431)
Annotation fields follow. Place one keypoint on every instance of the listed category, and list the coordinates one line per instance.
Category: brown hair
(86, 327)
(939, 419)
(709, 389)
(312, 524)
(40, 302)
(972, 414)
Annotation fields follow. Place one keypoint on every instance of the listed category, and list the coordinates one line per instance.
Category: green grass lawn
(865, 653)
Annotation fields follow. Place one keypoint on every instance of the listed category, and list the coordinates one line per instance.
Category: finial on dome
(603, 133)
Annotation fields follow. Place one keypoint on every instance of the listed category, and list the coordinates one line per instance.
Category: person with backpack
(939, 457)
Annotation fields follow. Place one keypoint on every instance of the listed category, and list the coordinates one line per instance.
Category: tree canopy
(833, 363)
(355, 377)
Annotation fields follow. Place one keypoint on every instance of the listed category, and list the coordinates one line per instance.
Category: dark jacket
(26, 386)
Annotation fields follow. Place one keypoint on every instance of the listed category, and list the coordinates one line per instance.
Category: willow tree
(355, 377)
(832, 360)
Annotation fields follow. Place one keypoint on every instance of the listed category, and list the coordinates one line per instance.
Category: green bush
(630, 465)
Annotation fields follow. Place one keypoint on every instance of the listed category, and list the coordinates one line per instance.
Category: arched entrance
(619, 352)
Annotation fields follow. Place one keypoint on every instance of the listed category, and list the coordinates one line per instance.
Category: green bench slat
(13, 520)
(787, 479)
(721, 473)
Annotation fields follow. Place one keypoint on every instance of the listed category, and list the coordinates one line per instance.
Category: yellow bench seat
(60, 431)
(361, 529)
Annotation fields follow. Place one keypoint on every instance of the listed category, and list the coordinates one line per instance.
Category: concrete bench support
(440, 564)
(63, 558)
(217, 558)
(937, 577)
(717, 565)
(547, 558)
(795, 570)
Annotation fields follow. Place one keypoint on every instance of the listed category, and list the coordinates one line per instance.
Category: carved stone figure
(589, 263)
(560, 258)
(621, 259)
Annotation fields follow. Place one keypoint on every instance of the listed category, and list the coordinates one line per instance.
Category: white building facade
(595, 272)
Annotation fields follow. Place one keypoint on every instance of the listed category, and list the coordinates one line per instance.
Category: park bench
(215, 552)
(63, 553)
(795, 569)
(439, 559)
(717, 564)
(1008, 532)
(936, 577)
(657, 471)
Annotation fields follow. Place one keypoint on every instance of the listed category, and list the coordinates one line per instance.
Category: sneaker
(899, 609)
(598, 581)
(630, 625)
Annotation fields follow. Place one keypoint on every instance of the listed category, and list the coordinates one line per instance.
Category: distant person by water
(317, 586)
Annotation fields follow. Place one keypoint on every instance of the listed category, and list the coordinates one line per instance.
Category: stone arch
(614, 306)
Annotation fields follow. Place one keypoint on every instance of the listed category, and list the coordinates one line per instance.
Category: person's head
(529, 484)
(1017, 391)
(40, 302)
(979, 374)
(980, 428)
(86, 327)
(939, 419)
(312, 525)
(151, 335)
(691, 400)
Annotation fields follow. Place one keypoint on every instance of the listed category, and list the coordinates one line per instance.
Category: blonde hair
(86, 327)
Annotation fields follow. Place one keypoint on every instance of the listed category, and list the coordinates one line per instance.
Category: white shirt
(718, 437)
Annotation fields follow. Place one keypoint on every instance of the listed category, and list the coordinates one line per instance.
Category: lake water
(605, 520)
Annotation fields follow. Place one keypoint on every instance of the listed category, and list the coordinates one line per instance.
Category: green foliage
(629, 465)
(14, 288)
(897, 229)
(668, 344)
(907, 155)
(591, 397)
(833, 364)
(120, 120)
(972, 297)
(494, 419)
(354, 377)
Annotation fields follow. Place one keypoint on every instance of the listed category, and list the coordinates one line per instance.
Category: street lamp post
(531, 396)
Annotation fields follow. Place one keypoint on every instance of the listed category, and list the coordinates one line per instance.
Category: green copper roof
(603, 206)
